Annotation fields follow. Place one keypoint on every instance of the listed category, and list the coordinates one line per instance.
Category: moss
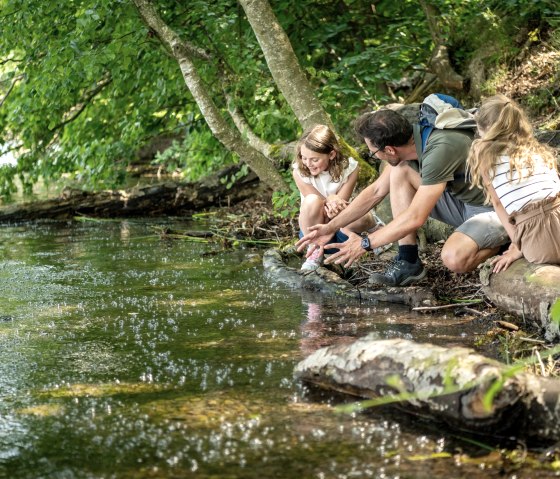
(555, 311)
(368, 173)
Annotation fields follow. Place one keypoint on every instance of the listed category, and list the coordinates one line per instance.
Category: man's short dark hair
(383, 128)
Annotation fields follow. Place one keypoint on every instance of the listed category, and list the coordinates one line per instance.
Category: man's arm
(412, 218)
(407, 222)
(320, 235)
(365, 201)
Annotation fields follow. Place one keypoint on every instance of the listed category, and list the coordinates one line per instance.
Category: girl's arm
(347, 188)
(499, 209)
(304, 188)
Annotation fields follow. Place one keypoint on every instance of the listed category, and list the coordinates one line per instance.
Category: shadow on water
(124, 355)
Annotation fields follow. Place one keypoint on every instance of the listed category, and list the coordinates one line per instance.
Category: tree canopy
(85, 84)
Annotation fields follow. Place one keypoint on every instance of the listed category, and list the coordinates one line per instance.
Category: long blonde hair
(507, 131)
(321, 139)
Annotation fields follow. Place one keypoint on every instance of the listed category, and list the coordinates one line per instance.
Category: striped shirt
(515, 194)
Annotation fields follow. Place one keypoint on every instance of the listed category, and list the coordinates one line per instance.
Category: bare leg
(365, 223)
(461, 254)
(404, 184)
(312, 212)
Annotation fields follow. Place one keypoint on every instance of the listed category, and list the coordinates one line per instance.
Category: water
(126, 355)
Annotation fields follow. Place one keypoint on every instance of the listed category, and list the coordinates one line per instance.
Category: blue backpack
(439, 111)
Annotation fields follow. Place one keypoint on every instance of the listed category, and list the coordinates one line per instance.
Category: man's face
(388, 154)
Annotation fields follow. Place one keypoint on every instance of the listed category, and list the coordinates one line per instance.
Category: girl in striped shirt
(520, 177)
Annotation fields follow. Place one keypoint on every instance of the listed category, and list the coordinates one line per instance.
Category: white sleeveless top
(324, 183)
(515, 194)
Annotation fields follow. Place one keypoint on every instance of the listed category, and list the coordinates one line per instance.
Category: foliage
(84, 85)
(286, 205)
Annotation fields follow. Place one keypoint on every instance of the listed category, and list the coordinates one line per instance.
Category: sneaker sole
(413, 279)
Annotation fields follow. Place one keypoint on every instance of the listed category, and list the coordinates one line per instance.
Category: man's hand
(501, 263)
(349, 251)
(318, 237)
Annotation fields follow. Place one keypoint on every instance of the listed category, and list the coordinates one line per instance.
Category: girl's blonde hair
(321, 139)
(506, 131)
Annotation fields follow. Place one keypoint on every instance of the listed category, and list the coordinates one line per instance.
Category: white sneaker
(313, 262)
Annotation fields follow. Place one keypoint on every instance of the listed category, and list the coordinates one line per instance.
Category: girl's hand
(334, 205)
(501, 263)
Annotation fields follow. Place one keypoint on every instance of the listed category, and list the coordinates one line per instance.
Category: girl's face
(316, 162)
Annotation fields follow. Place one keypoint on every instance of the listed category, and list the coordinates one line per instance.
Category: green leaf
(555, 312)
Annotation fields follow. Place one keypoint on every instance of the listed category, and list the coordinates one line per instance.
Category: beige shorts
(537, 231)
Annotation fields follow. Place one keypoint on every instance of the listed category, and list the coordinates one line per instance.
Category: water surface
(127, 355)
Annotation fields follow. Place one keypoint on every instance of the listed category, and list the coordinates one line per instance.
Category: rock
(455, 386)
(325, 281)
(530, 291)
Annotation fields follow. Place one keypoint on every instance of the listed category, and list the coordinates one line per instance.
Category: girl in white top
(325, 179)
(521, 179)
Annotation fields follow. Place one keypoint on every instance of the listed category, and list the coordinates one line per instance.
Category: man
(422, 184)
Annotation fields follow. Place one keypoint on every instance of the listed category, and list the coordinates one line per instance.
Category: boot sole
(413, 279)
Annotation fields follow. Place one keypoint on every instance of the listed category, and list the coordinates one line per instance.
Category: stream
(124, 354)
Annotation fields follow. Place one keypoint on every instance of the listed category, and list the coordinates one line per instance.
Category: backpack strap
(425, 132)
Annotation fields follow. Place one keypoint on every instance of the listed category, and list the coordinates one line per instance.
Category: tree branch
(80, 107)
(13, 84)
(13, 148)
(227, 135)
(165, 34)
(8, 60)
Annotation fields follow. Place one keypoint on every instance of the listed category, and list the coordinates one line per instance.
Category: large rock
(530, 291)
(455, 386)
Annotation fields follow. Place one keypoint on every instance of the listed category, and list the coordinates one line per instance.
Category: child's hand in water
(501, 263)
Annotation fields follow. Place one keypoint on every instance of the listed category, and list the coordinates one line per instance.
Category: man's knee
(454, 260)
(460, 256)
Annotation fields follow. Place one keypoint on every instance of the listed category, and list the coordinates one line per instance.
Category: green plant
(286, 205)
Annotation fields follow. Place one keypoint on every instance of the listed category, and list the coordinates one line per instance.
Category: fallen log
(455, 386)
(330, 283)
(148, 200)
(529, 291)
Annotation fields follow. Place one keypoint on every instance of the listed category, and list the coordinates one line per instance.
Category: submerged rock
(456, 386)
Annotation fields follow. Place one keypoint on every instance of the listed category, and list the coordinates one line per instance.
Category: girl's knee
(312, 202)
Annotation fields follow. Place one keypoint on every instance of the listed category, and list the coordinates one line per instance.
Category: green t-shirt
(444, 161)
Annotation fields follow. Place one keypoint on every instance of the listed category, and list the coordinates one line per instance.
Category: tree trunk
(288, 75)
(283, 64)
(439, 63)
(159, 199)
(227, 135)
(455, 386)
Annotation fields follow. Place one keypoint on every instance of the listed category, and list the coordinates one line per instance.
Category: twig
(473, 311)
(506, 325)
(543, 372)
(531, 340)
(445, 306)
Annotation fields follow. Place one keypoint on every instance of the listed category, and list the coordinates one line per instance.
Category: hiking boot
(399, 273)
(313, 262)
